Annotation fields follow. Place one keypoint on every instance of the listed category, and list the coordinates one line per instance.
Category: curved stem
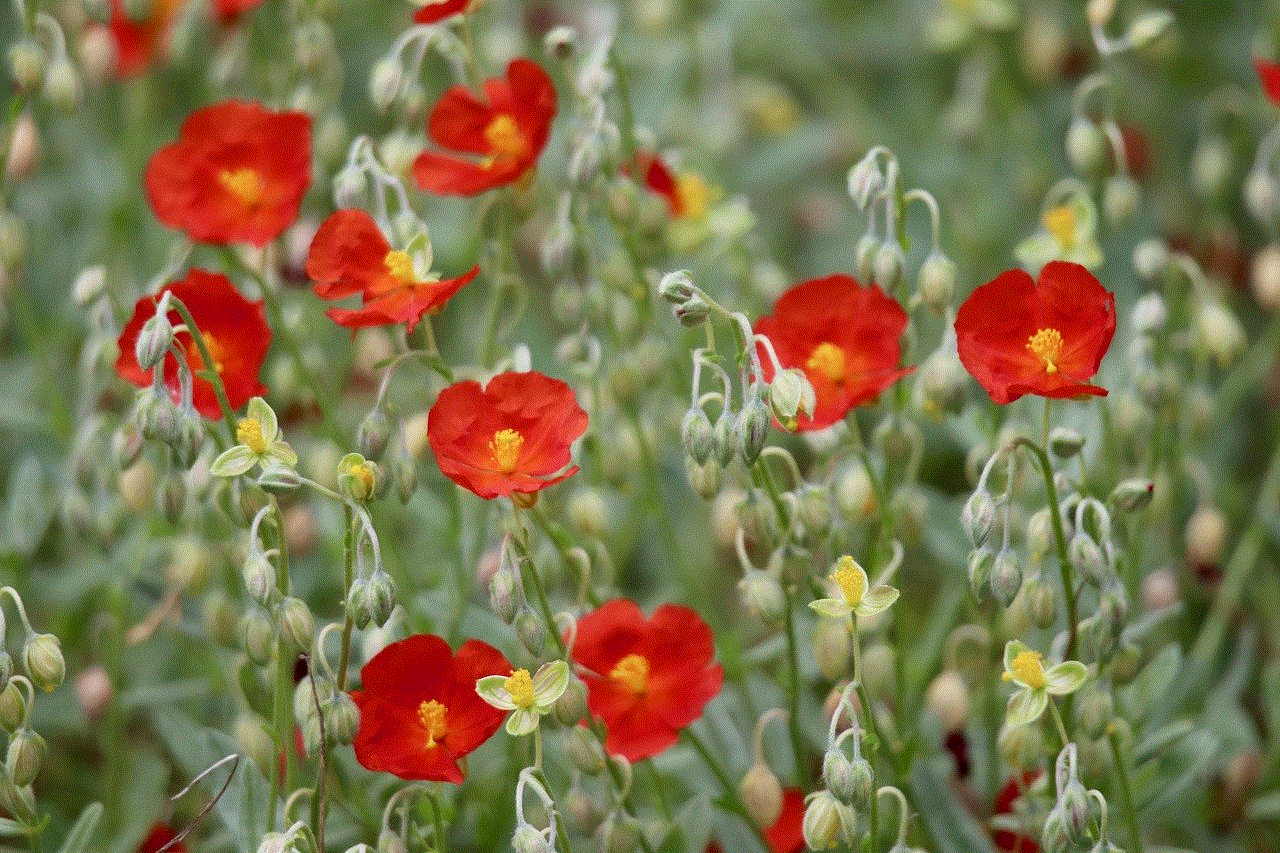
(213, 377)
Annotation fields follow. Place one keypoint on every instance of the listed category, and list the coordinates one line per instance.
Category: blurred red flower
(1269, 75)
(646, 678)
(419, 710)
(507, 133)
(511, 437)
(658, 179)
(350, 255)
(1004, 839)
(233, 328)
(1017, 336)
(431, 11)
(159, 836)
(137, 40)
(845, 337)
(787, 833)
(237, 173)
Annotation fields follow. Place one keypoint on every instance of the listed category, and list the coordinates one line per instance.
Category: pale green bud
(42, 658)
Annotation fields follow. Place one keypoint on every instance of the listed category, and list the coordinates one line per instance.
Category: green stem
(869, 724)
(732, 801)
(793, 694)
(211, 374)
(1058, 724)
(1126, 792)
(344, 650)
(1060, 541)
(529, 574)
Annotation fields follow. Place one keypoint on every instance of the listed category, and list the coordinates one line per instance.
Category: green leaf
(1265, 807)
(674, 842)
(1154, 681)
(82, 833)
(951, 825)
(1155, 743)
(28, 513)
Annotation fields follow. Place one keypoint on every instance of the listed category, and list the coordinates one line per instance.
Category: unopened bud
(752, 428)
(260, 578)
(1095, 710)
(1087, 558)
(24, 148)
(90, 284)
(531, 630)
(948, 699)
(705, 478)
(762, 596)
(618, 834)
(1149, 258)
(384, 82)
(1220, 332)
(188, 440)
(13, 707)
(1132, 495)
(761, 794)
(571, 707)
(504, 597)
(725, 436)
(1005, 579)
(1064, 442)
(560, 42)
(977, 517)
(358, 478)
(693, 311)
(1042, 604)
(527, 839)
(698, 434)
(1260, 196)
(676, 287)
(1084, 144)
(62, 87)
(27, 63)
(937, 282)
(791, 393)
(827, 821)
(153, 341)
(979, 570)
(855, 495)
(584, 751)
(42, 658)
(341, 718)
(298, 624)
(279, 479)
(26, 753)
(888, 265)
(1149, 27)
(1120, 199)
(865, 257)
(250, 733)
(257, 635)
(372, 434)
(348, 186)
(1205, 536)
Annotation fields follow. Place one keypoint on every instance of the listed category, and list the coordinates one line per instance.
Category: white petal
(492, 689)
(836, 608)
(549, 683)
(233, 462)
(1025, 707)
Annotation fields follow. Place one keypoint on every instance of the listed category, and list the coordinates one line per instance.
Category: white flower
(259, 443)
(528, 696)
(1023, 667)
(855, 597)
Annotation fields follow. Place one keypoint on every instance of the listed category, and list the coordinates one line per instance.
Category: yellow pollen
(632, 671)
(695, 195)
(1060, 221)
(849, 579)
(828, 361)
(505, 447)
(520, 686)
(1046, 345)
(249, 433)
(504, 138)
(400, 265)
(243, 183)
(432, 716)
(1028, 669)
(362, 472)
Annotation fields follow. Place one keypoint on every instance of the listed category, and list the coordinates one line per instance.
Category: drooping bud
(791, 393)
(373, 433)
(42, 658)
(1205, 536)
(250, 733)
(815, 510)
(1084, 144)
(153, 341)
(504, 597)
(189, 439)
(1147, 28)
(752, 428)
(560, 42)
(531, 630)
(827, 821)
(279, 479)
(693, 311)
(25, 756)
(585, 752)
(571, 707)
(980, 562)
(257, 635)
(1132, 495)
(27, 63)
(948, 698)
(937, 282)
(380, 597)
(384, 82)
(1095, 710)
(978, 516)
(1121, 198)
(1149, 258)
(1065, 443)
(761, 794)
(1219, 331)
(865, 256)
(62, 88)
(13, 707)
(726, 438)
(1042, 604)
(888, 266)
(762, 596)
(1087, 558)
(698, 434)
(260, 578)
(1005, 579)
(341, 718)
(297, 623)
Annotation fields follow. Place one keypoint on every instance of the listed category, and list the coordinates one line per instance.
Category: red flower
(507, 133)
(844, 336)
(1017, 336)
(350, 255)
(658, 179)
(512, 436)
(1269, 74)
(646, 678)
(234, 331)
(137, 40)
(419, 710)
(159, 836)
(237, 173)
(437, 10)
(230, 10)
(1004, 839)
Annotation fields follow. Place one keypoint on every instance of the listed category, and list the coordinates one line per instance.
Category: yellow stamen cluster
(400, 265)
(503, 136)
(520, 688)
(505, 448)
(632, 671)
(432, 715)
(1061, 223)
(1026, 667)
(362, 472)
(245, 184)
(828, 361)
(1046, 345)
(249, 433)
(695, 195)
(850, 580)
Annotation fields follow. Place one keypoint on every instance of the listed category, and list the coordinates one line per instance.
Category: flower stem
(344, 652)
(793, 694)
(1057, 722)
(1126, 792)
(1060, 541)
(868, 720)
(529, 574)
(213, 377)
(732, 800)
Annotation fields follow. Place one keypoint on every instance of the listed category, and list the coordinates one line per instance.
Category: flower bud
(372, 434)
(1160, 590)
(980, 563)
(560, 42)
(1132, 495)
(251, 735)
(676, 287)
(698, 434)
(837, 773)
(531, 630)
(504, 597)
(865, 256)
(1219, 332)
(1055, 837)
(1084, 144)
(309, 694)
(13, 707)
(27, 63)
(173, 497)
(1205, 536)
(761, 794)
(618, 834)
(1005, 579)
(257, 635)
(815, 510)
(693, 311)
(937, 281)
(26, 753)
(948, 698)
(978, 516)
(384, 82)
(405, 473)
(153, 341)
(571, 707)
(279, 479)
(380, 597)
(24, 148)
(855, 496)
(762, 596)
(1149, 258)
(752, 428)
(584, 751)
(20, 802)
(260, 578)
(831, 647)
(42, 658)
(358, 478)
(527, 839)
(6, 668)
(1260, 196)
(705, 478)
(1042, 604)
(1040, 533)
(888, 265)
(1120, 199)
(297, 623)
(791, 393)
(348, 186)
(62, 87)
(1095, 710)
(1065, 443)
(827, 821)
(158, 417)
(188, 440)
(1087, 558)
(341, 718)
(1149, 27)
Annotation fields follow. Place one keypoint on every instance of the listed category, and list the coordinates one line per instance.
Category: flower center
(632, 672)
(1046, 345)
(362, 472)
(245, 184)
(432, 715)
(828, 361)
(1060, 221)
(505, 447)
(1026, 667)
(520, 686)
(849, 579)
(504, 138)
(215, 352)
(249, 433)
(695, 195)
(400, 265)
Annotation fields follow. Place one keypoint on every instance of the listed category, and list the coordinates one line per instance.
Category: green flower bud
(250, 733)
(837, 774)
(341, 719)
(297, 623)
(761, 794)
(42, 658)
(531, 631)
(726, 438)
(937, 282)
(528, 839)
(1095, 711)
(358, 478)
(126, 444)
(1087, 558)
(693, 311)
(865, 255)
(358, 604)
(703, 478)
(618, 834)
(389, 842)
(888, 265)
(153, 341)
(1121, 198)
(188, 439)
(762, 596)
(752, 428)
(380, 593)
(827, 821)
(980, 562)
(1065, 443)
(1042, 604)
(62, 87)
(1005, 579)
(279, 479)
(27, 63)
(309, 694)
(260, 579)
(384, 82)
(676, 287)
(571, 707)
(158, 417)
(978, 516)
(373, 433)
(1084, 144)
(405, 473)
(790, 394)
(257, 635)
(26, 753)
(504, 596)
(584, 751)
(697, 434)
(6, 668)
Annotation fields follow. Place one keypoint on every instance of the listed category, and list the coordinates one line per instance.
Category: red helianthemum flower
(646, 678)
(658, 179)
(1269, 75)
(419, 710)
(845, 337)
(505, 135)
(437, 10)
(1004, 839)
(137, 40)
(1017, 336)
(512, 436)
(350, 255)
(237, 173)
(158, 837)
(234, 331)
